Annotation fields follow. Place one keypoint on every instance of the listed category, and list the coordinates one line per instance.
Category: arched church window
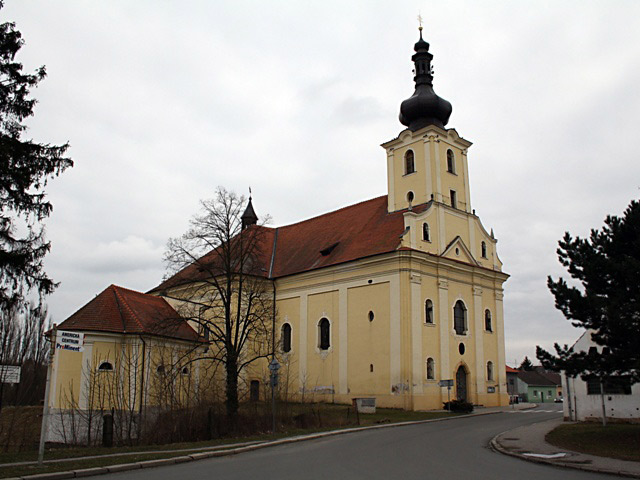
(490, 371)
(105, 367)
(451, 162)
(460, 318)
(324, 334)
(409, 162)
(286, 337)
(431, 375)
(428, 311)
(483, 247)
(487, 321)
(426, 236)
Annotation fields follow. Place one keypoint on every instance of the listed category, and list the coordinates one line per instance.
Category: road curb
(86, 472)
(496, 446)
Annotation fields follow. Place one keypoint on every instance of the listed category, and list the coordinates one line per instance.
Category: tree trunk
(232, 389)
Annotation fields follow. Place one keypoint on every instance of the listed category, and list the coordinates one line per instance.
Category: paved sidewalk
(528, 443)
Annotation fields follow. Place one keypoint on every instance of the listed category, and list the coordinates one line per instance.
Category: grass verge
(131, 454)
(621, 441)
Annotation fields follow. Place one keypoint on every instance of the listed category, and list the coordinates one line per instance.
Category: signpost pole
(274, 366)
(45, 411)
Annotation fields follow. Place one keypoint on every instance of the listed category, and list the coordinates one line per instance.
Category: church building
(392, 298)
(388, 297)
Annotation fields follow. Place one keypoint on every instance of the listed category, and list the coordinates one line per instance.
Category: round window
(461, 348)
(371, 315)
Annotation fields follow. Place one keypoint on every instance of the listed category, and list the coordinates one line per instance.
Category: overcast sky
(164, 101)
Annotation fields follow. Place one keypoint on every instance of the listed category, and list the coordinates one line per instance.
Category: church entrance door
(461, 384)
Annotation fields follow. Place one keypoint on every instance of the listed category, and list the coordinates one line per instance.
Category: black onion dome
(424, 107)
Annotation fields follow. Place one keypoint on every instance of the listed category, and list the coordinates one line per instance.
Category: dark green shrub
(458, 406)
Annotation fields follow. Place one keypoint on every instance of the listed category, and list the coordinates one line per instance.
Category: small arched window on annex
(460, 318)
(483, 247)
(184, 371)
(160, 370)
(431, 369)
(490, 371)
(487, 321)
(451, 162)
(324, 334)
(409, 162)
(428, 311)
(286, 338)
(105, 366)
(426, 234)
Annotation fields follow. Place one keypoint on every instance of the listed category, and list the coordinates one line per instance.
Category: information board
(9, 374)
(72, 341)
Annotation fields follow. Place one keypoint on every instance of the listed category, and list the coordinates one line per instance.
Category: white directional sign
(73, 341)
(9, 374)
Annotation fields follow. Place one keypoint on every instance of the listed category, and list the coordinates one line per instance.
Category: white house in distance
(583, 401)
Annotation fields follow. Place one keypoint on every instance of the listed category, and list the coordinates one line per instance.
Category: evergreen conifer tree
(607, 304)
(25, 168)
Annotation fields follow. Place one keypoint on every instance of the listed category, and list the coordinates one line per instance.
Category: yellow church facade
(417, 300)
(392, 316)
(387, 299)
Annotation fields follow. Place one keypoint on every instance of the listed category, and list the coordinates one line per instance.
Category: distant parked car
(557, 400)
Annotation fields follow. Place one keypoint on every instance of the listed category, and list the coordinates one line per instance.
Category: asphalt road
(449, 450)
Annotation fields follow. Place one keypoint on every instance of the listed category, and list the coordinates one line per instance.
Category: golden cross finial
(420, 21)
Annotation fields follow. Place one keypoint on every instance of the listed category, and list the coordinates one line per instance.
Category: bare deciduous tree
(221, 283)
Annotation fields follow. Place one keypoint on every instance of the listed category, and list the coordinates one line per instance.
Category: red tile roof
(120, 310)
(511, 370)
(353, 232)
(356, 231)
(350, 233)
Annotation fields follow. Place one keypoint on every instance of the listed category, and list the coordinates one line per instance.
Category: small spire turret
(249, 216)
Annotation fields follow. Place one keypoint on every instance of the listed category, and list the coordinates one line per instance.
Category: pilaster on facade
(343, 340)
(465, 171)
(479, 340)
(427, 166)
(391, 197)
(417, 359)
(441, 230)
(395, 315)
(438, 193)
(85, 375)
(302, 342)
(502, 374)
(445, 327)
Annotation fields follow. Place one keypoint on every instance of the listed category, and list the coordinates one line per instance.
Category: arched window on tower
(324, 340)
(428, 311)
(431, 369)
(487, 321)
(286, 338)
(451, 162)
(483, 247)
(460, 318)
(426, 236)
(409, 162)
(490, 371)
